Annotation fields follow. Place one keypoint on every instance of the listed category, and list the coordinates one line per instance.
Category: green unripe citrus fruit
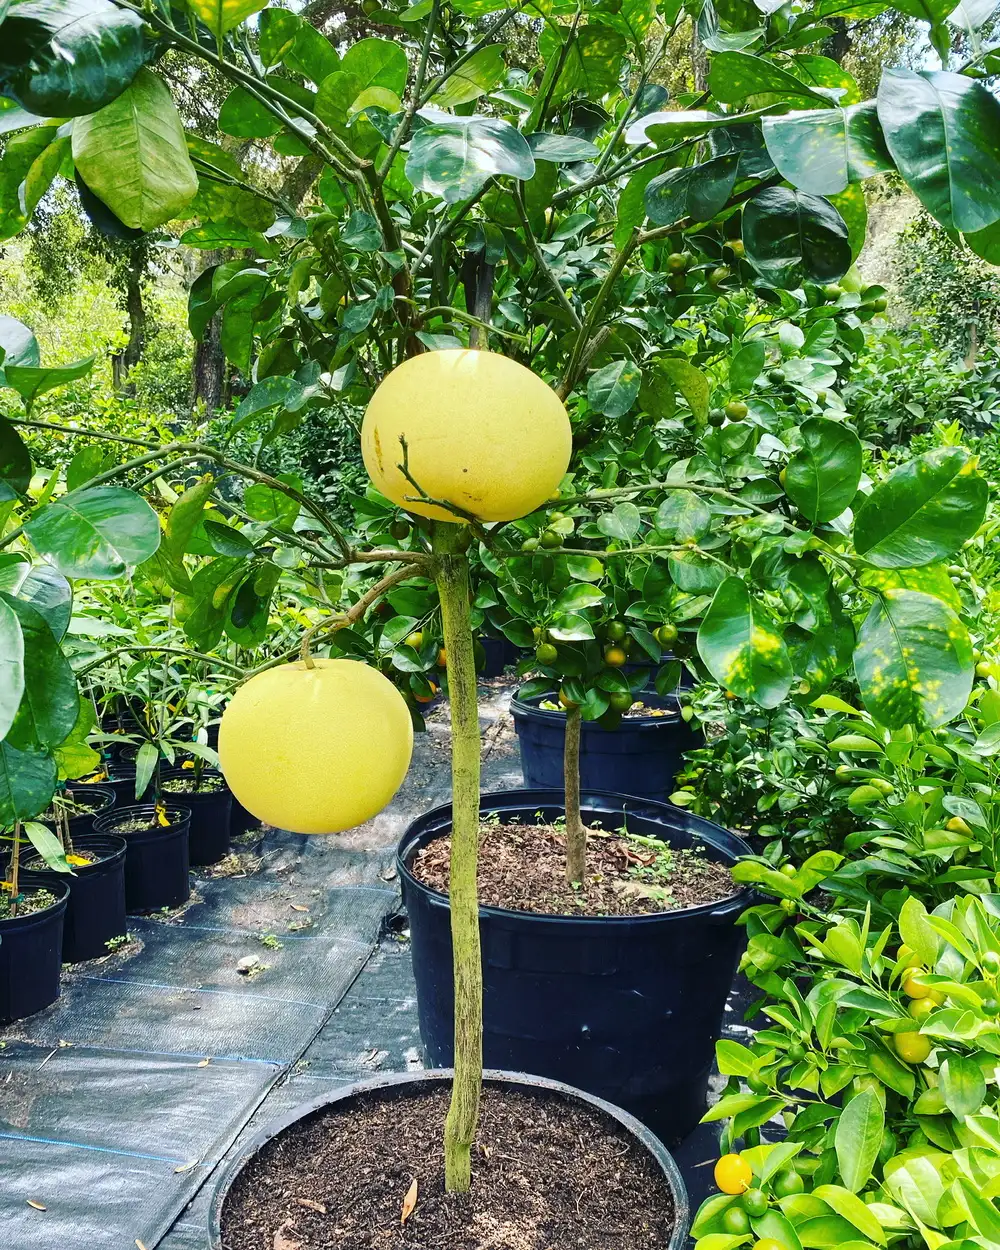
(736, 410)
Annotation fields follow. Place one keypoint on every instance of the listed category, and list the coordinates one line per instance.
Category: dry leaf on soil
(409, 1202)
(36, 1205)
(312, 1205)
(281, 1242)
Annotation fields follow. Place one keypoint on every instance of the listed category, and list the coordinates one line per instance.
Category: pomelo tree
(513, 179)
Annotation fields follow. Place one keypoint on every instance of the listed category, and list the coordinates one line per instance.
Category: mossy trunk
(452, 576)
(576, 835)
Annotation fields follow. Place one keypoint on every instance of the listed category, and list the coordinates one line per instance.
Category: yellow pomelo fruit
(316, 750)
(482, 432)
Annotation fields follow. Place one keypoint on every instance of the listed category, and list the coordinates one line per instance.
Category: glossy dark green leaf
(822, 476)
(184, 516)
(621, 523)
(612, 389)
(733, 76)
(311, 54)
(265, 503)
(362, 231)
(473, 78)
(51, 595)
(377, 63)
(746, 366)
(715, 39)
(27, 783)
(695, 191)
(592, 64)
(666, 128)
(222, 15)
(66, 58)
(30, 162)
(924, 510)
(244, 117)
(30, 382)
(858, 1138)
(268, 394)
(913, 661)
(454, 156)
(11, 666)
(134, 157)
(15, 462)
(50, 702)
(943, 132)
(277, 29)
(227, 541)
(561, 149)
(822, 150)
(97, 532)
(789, 236)
(741, 647)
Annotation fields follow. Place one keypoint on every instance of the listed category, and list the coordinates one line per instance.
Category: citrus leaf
(222, 15)
(963, 1088)
(822, 150)
(454, 156)
(612, 390)
(11, 666)
(822, 476)
(27, 783)
(913, 660)
(50, 703)
(924, 510)
(741, 647)
(695, 191)
(15, 462)
(134, 157)
(735, 75)
(31, 382)
(789, 235)
(95, 532)
(561, 148)
(858, 1139)
(473, 78)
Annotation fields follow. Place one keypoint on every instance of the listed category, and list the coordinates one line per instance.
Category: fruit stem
(305, 655)
(576, 834)
(451, 570)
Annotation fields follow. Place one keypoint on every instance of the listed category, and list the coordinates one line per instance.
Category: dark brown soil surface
(547, 1175)
(206, 784)
(522, 868)
(30, 901)
(138, 824)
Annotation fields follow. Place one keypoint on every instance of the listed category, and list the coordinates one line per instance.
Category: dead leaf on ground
(409, 1202)
(298, 907)
(312, 1205)
(38, 1206)
(186, 1167)
(140, 1244)
(282, 1242)
(203, 1063)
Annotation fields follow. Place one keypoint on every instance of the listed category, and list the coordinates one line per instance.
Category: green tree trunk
(452, 576)
(576, 835)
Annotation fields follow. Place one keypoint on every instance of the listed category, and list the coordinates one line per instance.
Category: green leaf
(822, 150)
(851, 1208)
(278, 29)
(924, 510)
(684, 517)
(858, 1139)
(822, 476)
(50, 702)
(741, 647)
(695, 191)
(453, 157)
(789, 236)
(222, 15)
(943, 132)
(963, 1088)
(982, 1213)
(913, 661)
(746, 366)
(914, 1179)
(95, 532)
(561, 149)
(612, 390)
(585, 568)
(31, 382)
(570, 628)
(145, 763)
(227, 541)
(917, 933)
(622, 522)
(311, 54)
(27, 783)
(932, 579)
(666, 129)
(689, 380)
(47, 845)
(269, 393)
(265, 503)
(133, 155)
(362, 232)
(593, 63)
(473, 78)
(65, 58)
(74, 756)
(377, 63)
(19, 345)
(735, 75)
(244, 117)
(11, 666)
(184, 516)
(576, 598)
(15, 462)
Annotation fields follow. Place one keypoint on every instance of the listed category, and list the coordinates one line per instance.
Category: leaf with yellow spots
(924, 510)
(913, 660)
(742, 648)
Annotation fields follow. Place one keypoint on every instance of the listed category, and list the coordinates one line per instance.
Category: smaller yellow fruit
(414, 640)
(912, 988)
(911, 1047)
(615, 657)
(733, 1174)
(921, 1007)
(442, 660)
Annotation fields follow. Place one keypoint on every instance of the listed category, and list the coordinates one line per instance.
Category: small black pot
(121, 781)
(211, 814)
(500, 652)
(95, 913)
(31, 958)
(240, 820)
(82, 824)
(402, 1085)
(626, 1007)
(156, 859)
(641, 757)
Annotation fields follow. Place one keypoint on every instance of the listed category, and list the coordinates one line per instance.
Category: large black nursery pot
(211, 814)
(641, 757)
(406, 1085)
(100, 799)
(499, 654)
(95, 913)
(627, 1008)
(31, 957)
(156, 859)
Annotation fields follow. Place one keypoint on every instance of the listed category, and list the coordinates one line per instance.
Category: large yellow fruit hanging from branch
(482, 432)
(316, 750)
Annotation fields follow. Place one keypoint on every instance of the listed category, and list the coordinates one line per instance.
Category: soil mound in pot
(548, 1174)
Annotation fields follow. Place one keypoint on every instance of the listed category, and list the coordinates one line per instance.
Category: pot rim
(528, 708)
(176, 814)
(117, 851)
(43, 913)
(491, 1076)
(721, 907)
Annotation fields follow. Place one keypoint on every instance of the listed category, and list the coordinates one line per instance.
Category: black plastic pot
(403, 1085)
(210, 816)
(156, 859)
(640, 757)
(500, 652)
(95, 914)
(83, 823)
(240, 820)
(31, 958)
(121, 781)
(626, 1008)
